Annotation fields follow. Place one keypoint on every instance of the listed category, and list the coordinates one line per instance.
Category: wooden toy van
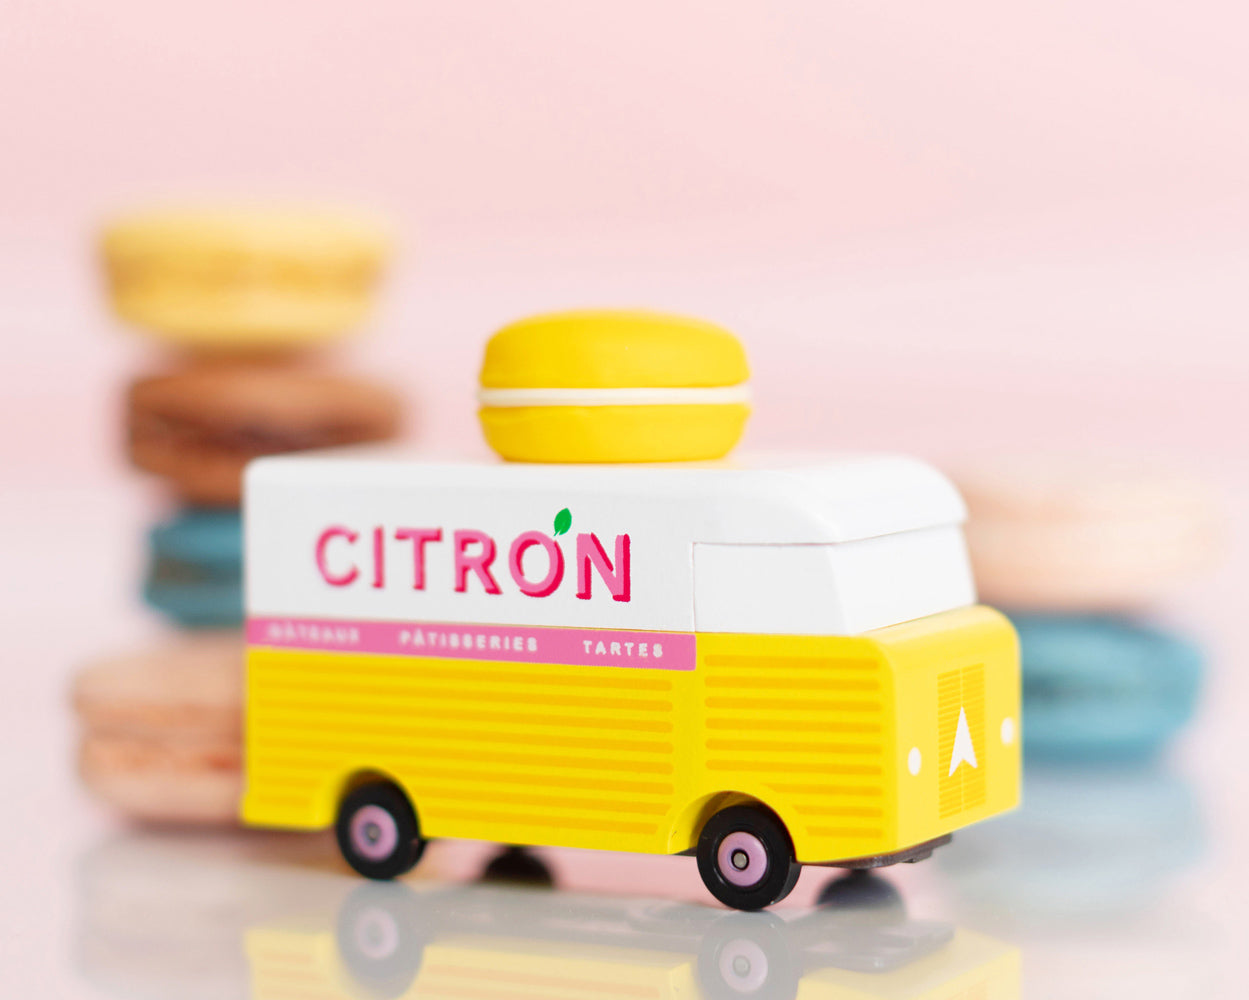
(764, 664)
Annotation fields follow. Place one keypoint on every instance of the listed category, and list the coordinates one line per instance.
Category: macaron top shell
(1048, 533)
(1073, 488)
(612, 349)
(311, 235)
(192, 686)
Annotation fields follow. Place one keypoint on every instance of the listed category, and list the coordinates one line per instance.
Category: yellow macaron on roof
(306, 233)
(612, 349)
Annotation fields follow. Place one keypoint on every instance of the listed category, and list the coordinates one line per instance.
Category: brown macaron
(201, 426)
(162, 730)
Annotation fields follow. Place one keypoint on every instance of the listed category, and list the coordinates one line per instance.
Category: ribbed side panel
(960, 691)
(810, 728)
(484, 748)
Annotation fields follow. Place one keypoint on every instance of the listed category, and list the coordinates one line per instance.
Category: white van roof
(769, 499)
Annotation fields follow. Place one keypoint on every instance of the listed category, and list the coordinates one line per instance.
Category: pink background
(936, 226)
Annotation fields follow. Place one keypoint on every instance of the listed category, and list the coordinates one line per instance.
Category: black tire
(747, 958)
(517, 866)
(377, 831)
(381, 938)
(863, 894)
(746, 858)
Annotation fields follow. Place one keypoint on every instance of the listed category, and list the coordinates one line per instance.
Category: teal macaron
(1101, 688)
(195, 568)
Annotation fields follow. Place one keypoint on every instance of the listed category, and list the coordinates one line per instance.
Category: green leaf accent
(563, 521)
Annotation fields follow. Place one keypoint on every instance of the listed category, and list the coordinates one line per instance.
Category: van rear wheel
(377, 831)
(746, 858)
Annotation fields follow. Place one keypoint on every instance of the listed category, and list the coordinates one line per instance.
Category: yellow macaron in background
(244, 279)
(613, 386)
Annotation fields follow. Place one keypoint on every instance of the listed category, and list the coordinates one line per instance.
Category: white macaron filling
(642, 396)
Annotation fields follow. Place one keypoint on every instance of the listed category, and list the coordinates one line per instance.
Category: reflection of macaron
(1099, 688)
(1086, 844)
(1050, 535)
(200, 427)
(613, 386)
(231, 279)
(162, 731)
(195, 573)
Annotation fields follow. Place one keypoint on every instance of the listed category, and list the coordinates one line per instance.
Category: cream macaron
(1078, 535)
(162, 730)
(244, 279)
(613, 386)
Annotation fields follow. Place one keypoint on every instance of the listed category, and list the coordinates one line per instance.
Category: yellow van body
(858, 743)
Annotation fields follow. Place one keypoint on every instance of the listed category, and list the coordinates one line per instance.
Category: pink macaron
(162, 730)
(1078, 535)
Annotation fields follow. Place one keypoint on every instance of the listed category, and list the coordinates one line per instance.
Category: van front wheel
(746, 859)
(377, 831)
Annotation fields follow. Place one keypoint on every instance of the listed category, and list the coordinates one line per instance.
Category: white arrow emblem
(964, 749)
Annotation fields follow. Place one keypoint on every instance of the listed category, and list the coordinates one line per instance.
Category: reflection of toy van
(764, 665)
(390, 941)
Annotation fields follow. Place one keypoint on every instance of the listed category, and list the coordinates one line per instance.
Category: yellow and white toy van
(765, 664)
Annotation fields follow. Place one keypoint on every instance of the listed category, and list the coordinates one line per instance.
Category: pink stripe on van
(582, 647)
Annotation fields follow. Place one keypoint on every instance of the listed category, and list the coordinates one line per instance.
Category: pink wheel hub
(742, 859)
(374, 833)
(376, 934)
(743, 966)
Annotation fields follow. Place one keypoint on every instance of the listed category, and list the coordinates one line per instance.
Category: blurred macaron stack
(197, 427)
(240, 304)
(240, 300)
(1083, 557)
